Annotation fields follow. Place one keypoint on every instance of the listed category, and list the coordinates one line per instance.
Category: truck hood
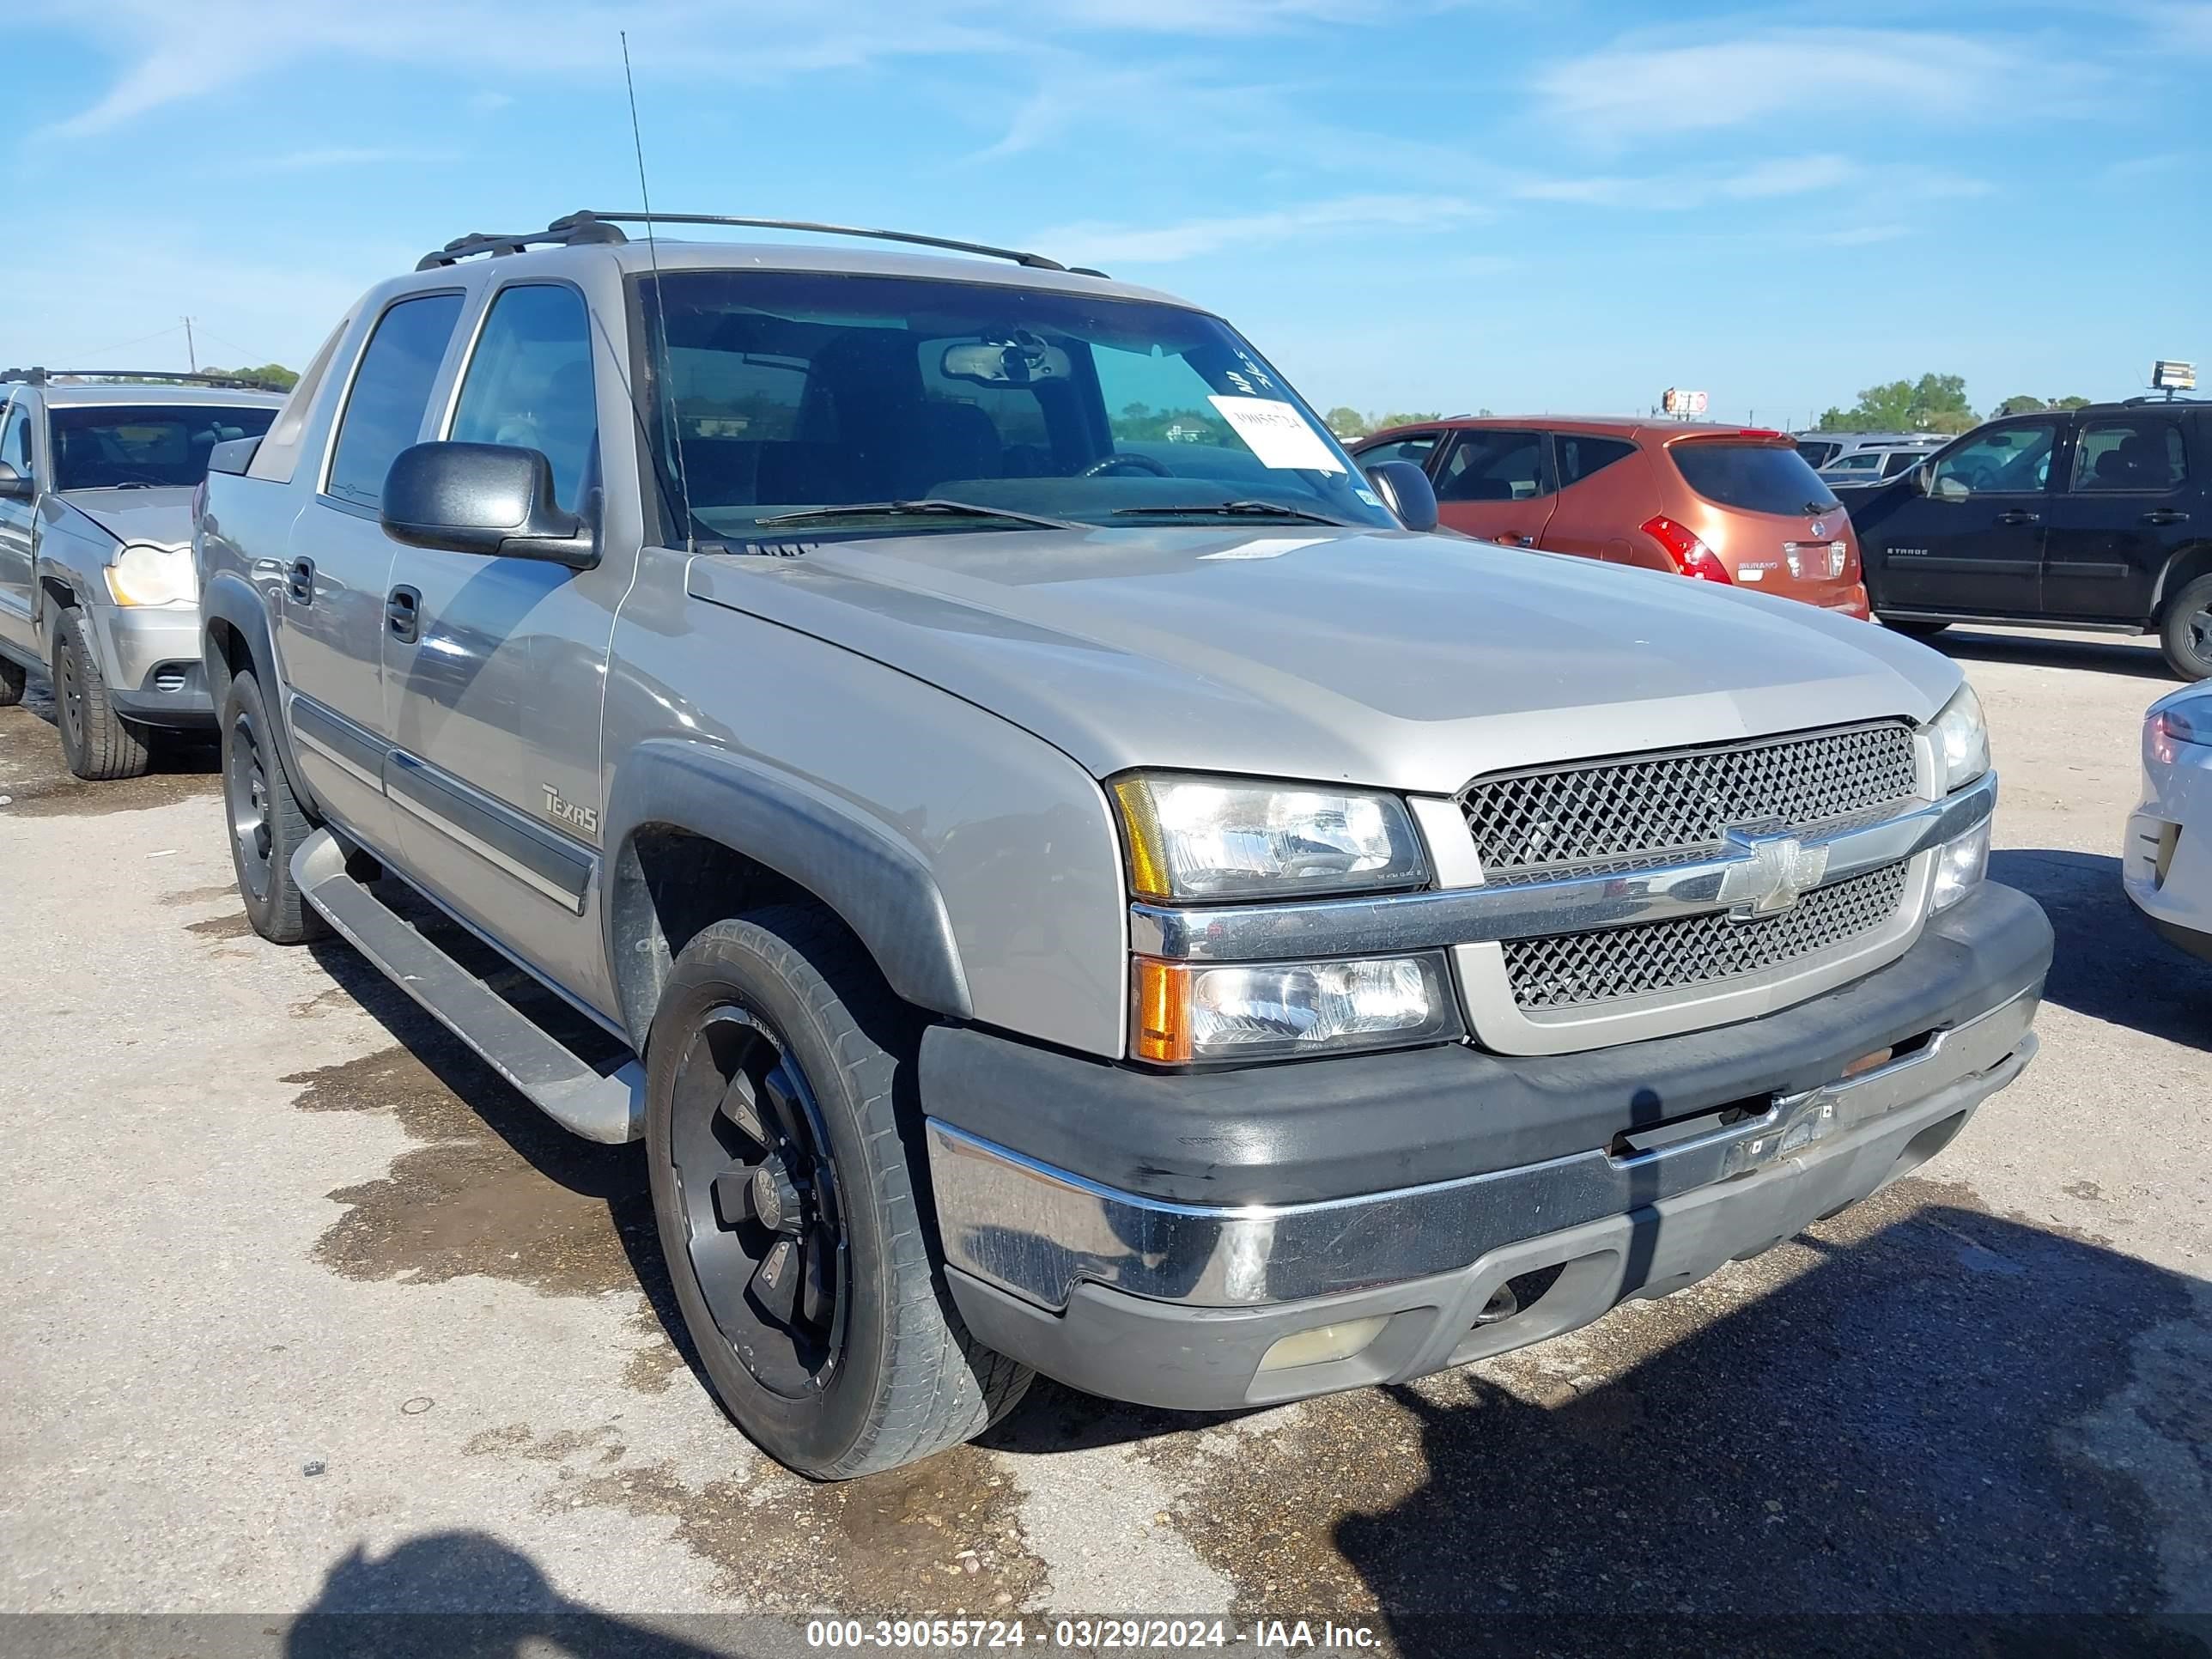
(1403, 661)
(162, 517)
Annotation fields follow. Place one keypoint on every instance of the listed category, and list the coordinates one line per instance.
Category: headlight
(150, 575)
(1220, 838)
(1961, 741)
(1960, 867)
(1271, 1010)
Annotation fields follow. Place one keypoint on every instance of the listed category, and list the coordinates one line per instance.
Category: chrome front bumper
(1036, 1232)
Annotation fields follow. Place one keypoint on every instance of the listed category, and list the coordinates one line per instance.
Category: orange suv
(1720, 503)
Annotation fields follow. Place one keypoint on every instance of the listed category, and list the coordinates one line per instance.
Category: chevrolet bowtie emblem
(1770, 873)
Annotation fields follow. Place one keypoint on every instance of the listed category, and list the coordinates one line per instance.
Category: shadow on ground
(2118, 654)
(1942, 1413)
(35, 781)
(2107, 962)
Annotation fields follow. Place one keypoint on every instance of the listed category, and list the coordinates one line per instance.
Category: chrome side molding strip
(1575, 901)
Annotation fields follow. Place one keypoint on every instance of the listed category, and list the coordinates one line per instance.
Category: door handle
(403, 613)
(2165, 515)
(299, 581)
(2019, 516)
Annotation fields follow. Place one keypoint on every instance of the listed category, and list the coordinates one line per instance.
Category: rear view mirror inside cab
(1023, 361)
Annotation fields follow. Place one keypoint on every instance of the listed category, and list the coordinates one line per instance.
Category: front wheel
(13, 679)
(99, 744)
(267, 822)
(786, 1200)
(2185, 630)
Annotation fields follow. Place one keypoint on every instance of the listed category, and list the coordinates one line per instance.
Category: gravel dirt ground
(306, 1311)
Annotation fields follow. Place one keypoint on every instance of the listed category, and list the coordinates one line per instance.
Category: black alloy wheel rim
(764, 1229)
(246, 792)
(2200, 632)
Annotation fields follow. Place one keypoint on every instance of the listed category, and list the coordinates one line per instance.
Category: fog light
(1324, 1343)
(1960, 867)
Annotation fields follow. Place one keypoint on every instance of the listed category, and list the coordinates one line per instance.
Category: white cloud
(1861, 235)
(1642, 87)
(169, 53)
(1165, 244)
(1675, 192)
(311, 161)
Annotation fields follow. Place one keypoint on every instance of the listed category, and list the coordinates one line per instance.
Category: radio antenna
(664, 366)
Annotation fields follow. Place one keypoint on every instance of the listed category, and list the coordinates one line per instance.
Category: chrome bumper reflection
(1035, 1231)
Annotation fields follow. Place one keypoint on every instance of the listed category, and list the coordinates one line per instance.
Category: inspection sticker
(1277, 434)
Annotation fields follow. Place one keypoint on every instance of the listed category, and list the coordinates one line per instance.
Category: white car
(2166, 864)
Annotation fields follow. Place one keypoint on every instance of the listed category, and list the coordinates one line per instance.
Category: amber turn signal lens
(1163, 1012)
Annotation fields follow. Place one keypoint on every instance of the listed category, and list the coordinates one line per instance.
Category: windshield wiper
(1227, 509)
(927, 506)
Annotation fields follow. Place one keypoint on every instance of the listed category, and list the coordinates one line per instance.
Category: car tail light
(1690, 555)
(1850, 571)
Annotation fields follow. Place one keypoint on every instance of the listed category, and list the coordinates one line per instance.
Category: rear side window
(1581, 455)
(1817, 454)
(278, 452)
(2132, 454)
(529, 384)
(1493, 466)
(1756, 477)
(391, 391)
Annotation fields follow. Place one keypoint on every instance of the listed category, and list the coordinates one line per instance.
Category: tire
(13, 679)
(2185, 631)
(266, 821)
(1915, 630)
(772, 1125)
(99, 744)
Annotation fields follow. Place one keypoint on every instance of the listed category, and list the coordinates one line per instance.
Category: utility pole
(190, 356)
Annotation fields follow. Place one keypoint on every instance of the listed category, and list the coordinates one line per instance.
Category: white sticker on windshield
(1278, 435)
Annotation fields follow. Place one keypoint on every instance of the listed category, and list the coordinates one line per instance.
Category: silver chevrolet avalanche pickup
(96, 479)
(1067, 873)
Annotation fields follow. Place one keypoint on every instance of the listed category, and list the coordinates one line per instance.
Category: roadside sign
(1677, 401)
(2168, 376)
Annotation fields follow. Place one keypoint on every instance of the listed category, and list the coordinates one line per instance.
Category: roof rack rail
(591, 219)
(2156, 399)
(47, 376)
(561, 234)
(591, 226)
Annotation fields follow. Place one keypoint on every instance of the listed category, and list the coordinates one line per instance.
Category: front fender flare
(878, 884)
(227, 597)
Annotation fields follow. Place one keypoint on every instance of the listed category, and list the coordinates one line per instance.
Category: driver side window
(2011, 460)
(530, 383)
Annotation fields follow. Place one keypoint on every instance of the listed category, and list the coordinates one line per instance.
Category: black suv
(2098, 518)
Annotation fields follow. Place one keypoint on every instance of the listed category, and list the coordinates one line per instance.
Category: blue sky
(1509, 204)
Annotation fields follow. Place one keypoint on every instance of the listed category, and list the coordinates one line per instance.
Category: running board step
(603, 1107)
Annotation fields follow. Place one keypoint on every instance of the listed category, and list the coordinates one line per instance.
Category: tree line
(1934, 403)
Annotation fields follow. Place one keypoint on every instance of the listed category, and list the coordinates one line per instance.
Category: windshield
(112, 445)
(790, 392)
(1757, 478)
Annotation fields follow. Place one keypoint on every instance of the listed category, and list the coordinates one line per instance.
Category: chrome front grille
(1602, 811)
(1574, 970)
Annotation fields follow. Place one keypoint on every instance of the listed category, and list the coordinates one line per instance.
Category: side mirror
(492, 499)
(1405, 490)
(14, 486)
